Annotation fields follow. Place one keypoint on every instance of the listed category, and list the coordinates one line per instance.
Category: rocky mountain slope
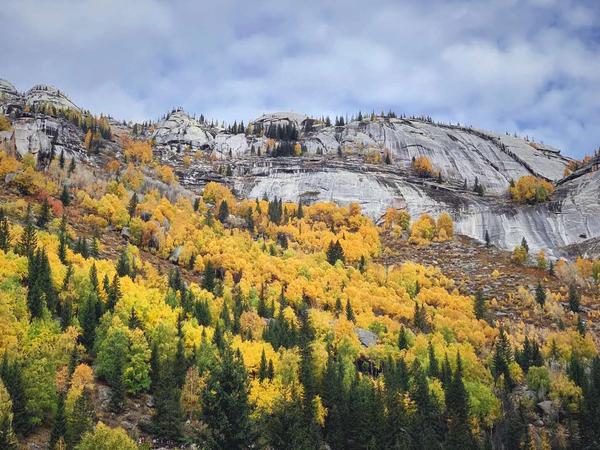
(334, 165)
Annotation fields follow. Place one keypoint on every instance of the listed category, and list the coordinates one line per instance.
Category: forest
(257, 323)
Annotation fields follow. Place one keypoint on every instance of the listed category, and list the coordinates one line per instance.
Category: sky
(525, 66)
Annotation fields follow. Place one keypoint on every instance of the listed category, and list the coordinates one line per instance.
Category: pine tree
(7, 436)
(180, 365)
(459, 435)
(71, 167)
(574, 298)
(87, 319)
(28, 242)
(4, 232)
(540, 294)
(433, 370)
(263, 368)
(167, 418)
(63, 240)
(61, 159)
(202, 313)
(11, 374)
(154, 368)
(123, 265)
(133, 203)
(350, 312)
(45, 214)
(299, 211)
(487, 238)
(225, 406)
(335, 252)
(81, 420)
(502, 358)
(117, 394)
(403, 338)
(65, 197)
(208, 279)
(338, 307)
(420, 318)
(114, 293)
(525, 245)
(94, 250)
(59, 428)
(480, 307)
(223, 211)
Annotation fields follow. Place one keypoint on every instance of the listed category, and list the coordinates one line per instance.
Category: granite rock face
(179, 128)
(571, 217)
(334, 168)
(45, 94)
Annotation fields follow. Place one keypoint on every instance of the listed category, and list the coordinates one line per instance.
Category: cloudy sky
(530, 66)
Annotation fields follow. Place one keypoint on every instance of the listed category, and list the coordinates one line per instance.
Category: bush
(422, 165)
(529, 189)
(106, 438)
(4, 123)
(519, 255)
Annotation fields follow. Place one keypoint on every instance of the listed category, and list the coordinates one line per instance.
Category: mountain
(158, 291)
(347, 163)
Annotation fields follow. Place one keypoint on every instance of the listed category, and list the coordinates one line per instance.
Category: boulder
(175, 254)
(367, 338)
(125, 233)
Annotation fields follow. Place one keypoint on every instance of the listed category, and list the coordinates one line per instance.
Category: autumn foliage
(530, 189)
(422, 166)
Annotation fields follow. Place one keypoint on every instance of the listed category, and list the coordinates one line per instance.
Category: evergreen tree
(403, 339)
(540, 294)
(81, 420)
(4, 232)
(459, 435)
(63, 239)
(263, 368)
(28, 242)
(133, 203)
(338, 307)
(71, 167)
(208, 279)
(574, 298)
(87, 319)
(434, 370)
(7, 436)
(223, 214)
(350, 312)
(480, 307)
(225, 407)
(299, 211)
(61, 159)
(45, 214)
(11, 374)
(123, 265)
(502, 358)
(117, 395)
(167, 418)
(335, 252)
(590, 419)
(59, 428)
(525, 245)
(420, 318)
(114, 293)
(65, 196)
(202, 313)
(487, 238)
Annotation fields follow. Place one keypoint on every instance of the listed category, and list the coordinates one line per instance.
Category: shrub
(529, 189)
(422, 165)
(519, 255)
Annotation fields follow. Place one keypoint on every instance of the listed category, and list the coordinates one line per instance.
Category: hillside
(191, 286)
